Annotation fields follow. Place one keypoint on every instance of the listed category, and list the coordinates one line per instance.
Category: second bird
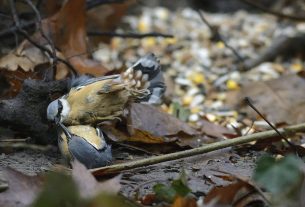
(94, 100)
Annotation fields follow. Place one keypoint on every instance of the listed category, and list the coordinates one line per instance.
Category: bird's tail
(145, 80)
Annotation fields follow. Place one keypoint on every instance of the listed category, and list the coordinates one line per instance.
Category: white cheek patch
(65, 109)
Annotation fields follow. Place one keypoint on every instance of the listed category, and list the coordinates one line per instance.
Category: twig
(249, 102)
(135, 148)
(14, 29)
(25, 34)
(21, 145)
(89, 5)
(276, 13)
(39, 28)
(219, 37)
(130, 35)
(94, 3)
(112, 169)
(15, 140)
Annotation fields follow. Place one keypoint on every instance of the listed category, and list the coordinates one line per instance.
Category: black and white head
(58, 110)
(148, 64)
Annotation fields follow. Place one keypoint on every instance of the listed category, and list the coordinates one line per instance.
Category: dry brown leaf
(158, 127)
(239, 193)
(22, 189)
(24, 58)
(184, 202)
(281, 100)
(87, 184)
(68, 33)
(139, 136)
(214, 130)
(106, 18)
(150, 119)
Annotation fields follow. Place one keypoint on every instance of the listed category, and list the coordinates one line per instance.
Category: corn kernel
(149, 42)
(232, 85)
(195, 110)
(187, 100)
(297, 67)
(220, 45)
(170, 41)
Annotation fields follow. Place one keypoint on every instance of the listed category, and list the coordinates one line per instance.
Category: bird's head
(58, 110)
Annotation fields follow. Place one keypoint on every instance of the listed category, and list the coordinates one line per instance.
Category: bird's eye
(60, 108)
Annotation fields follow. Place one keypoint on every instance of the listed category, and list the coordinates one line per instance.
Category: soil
(201, 170)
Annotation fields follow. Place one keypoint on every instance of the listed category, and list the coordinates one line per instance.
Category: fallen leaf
(281, 100)
(24, 58)
(139, 136)
(68, 34)
(22, 189)
(161, 127)
(106, 18)
(184, 202)
(14, 81)
(88, 185)
(240, 193)
(148, 199)
(150, 119)
(214, 130)
(226, 194)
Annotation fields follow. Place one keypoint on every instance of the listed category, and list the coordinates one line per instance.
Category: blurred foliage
(283, 178)
(179, 111)
(178, 188)
(61, 190)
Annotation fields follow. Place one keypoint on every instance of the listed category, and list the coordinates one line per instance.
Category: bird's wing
(90, 134)
(85, 80)
(88, 155)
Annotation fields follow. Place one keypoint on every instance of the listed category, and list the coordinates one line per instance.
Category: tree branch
(130, 35)
(276, 13)
(112, 169)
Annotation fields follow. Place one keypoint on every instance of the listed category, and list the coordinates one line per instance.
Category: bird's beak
(57, 120)
(65, 130)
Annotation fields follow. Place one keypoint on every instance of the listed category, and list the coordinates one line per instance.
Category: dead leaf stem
(20, 145)
(112, 169)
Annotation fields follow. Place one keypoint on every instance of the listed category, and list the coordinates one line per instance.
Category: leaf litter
(203, 75)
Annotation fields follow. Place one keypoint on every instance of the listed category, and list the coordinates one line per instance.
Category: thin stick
(89, 5)
(276, 13)
(130, 35)
(218, 36)
(112, 169)
(249, 102)
(25, 34)
(21, 145)
(15, 140)
(39, 28)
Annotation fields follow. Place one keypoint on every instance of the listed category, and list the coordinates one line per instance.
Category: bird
(84, 143)
(92, 100)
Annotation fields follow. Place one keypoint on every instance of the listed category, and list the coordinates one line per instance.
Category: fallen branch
(276, 13)
(281, 46)
(130, 35)
(30, 24)
(35, 147)
(218, 37)
(112, 169)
